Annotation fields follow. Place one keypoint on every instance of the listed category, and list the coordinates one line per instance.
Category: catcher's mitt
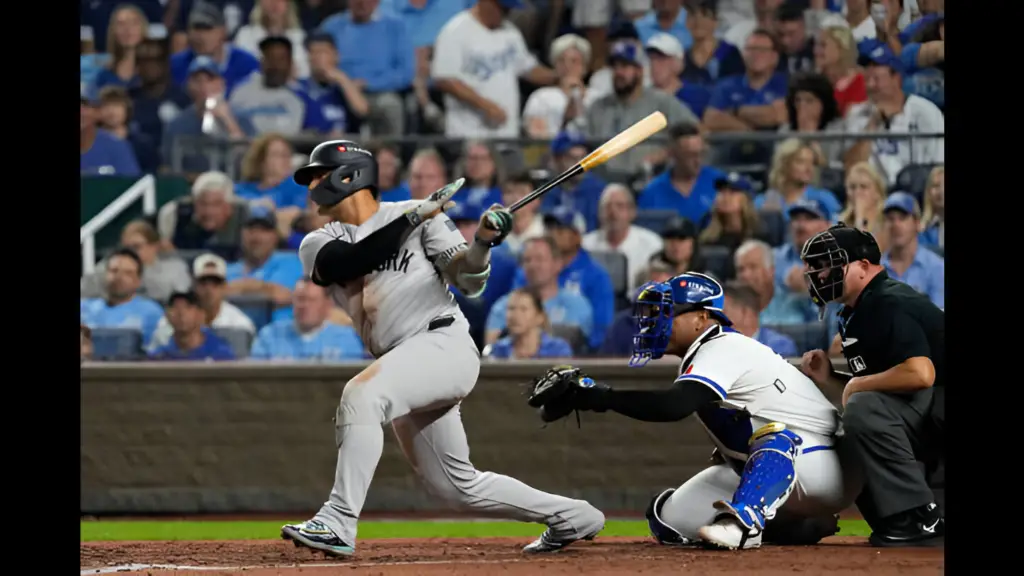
(560, 391)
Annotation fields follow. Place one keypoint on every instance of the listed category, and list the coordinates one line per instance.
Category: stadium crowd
(765, 100)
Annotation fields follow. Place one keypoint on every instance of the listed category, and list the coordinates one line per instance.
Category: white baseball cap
(209, 266)
(667, 44)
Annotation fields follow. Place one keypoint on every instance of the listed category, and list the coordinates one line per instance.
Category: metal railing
(144, 188)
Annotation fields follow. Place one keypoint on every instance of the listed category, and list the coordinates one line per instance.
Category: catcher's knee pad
(661, 531)
(768, 477)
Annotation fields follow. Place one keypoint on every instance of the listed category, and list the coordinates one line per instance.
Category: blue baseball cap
(903, 202)
(462, 212)
(261, 216)
(626, 52)
(512, 3)
(699, 291)
(878, 53)
(734, 181)
(565, 217)
(203, 64)
(565, 141)
(810, 206)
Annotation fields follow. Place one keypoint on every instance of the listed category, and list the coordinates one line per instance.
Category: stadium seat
(240, 340)
(573, 335)
(717, 261)
(117, 344)
(774, 227)
(807, 336)
(654, 220)
(257, 308)
(914, 179)
(617, 267)
(834, 179)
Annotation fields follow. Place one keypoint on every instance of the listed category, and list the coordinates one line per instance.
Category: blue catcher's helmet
(659, 303)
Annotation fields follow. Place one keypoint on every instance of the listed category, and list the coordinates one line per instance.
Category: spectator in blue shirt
(666, 56)
(528, 328)
(479, 166)
(933, 221)
(103, 153)
(423, 20)
(191, 339)
(580, 193)
(98, 19)
(377, 52)
(267, 179)
(792, 179)
(708, 58)
(122, 307)
(156, 99)
(340, 98)
(207, 36)
(806, 218)
(308, 336)
(115, 113)
(755, 267)
(688, 186)
(667, 17)
(741, 303)
(924, 62)
(541, 260)
(906, 260)
(618, 341)
(755, 100)
(206, 87)
(262, 270)
(129, 27)
(389, 173)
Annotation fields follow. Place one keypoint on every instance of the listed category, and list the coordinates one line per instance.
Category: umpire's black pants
(888, 436)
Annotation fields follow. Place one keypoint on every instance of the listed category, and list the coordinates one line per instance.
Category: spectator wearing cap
(618, 233)
(115, 116)
(688, 185)
(865, 197)
(309, 336)
(479, 57)
(550, 108)
(600, 25)
(210, 218)
(709, 57)
(527, 223)
(340, 98)
(206, 87)
(933, 221)
(540, 263)
(764, 19)
(482, 168)
(667, 61)
(681, 247)
(906, 260)
(121, 305)
(582, 192)
(835, 56)
(102, 153)
(755, 100)
(665, 17)
(755, 267)
(162, 274)
(797, 54)
(733, 219)
(580, 274)
(601, 80)
(267, 179)
(528, 331)
(272, 101)
(618, 342)
(262, 270)
(207, 36)
(156, 99)
(376, 52)
(792, 178)
(209, 281)
(427, 174)
(741, 306)
(275, 18)
(190, 338)
(812, 108)
(630, 103)
(890, 109)
(806, 218)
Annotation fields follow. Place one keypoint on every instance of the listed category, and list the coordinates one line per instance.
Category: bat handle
(577, 169)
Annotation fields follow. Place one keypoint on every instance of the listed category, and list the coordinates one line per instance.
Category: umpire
(893, 402)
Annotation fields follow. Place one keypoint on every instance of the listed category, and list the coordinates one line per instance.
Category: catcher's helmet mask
(827, 256)
(351, 167)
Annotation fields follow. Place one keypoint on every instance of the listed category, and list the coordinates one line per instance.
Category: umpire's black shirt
(889, 324)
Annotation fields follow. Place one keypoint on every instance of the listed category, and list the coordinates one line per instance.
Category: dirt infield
(477, 557)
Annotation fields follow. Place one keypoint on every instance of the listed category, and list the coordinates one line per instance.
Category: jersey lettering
(396, 264)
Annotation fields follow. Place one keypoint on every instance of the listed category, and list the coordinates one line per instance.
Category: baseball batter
(780, 478)
(388, 265)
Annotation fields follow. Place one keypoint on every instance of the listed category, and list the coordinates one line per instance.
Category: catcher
(779, 477)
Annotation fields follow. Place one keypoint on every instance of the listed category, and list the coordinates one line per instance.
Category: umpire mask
(828, 253)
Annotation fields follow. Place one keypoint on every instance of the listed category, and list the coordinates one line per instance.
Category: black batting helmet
(827, 254)
(352, 168)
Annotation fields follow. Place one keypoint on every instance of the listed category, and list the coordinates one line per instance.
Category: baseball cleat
(728, 533)
(549, 541)
(317, 536)
(922, 527)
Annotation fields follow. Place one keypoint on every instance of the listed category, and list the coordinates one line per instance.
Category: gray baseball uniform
(417, 382)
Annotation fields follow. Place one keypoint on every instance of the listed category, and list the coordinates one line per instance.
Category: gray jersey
(405, 293)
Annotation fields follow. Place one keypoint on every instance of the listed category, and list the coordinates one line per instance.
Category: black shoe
(923, 526)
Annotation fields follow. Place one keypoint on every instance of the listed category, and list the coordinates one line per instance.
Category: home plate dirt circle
(480, 556)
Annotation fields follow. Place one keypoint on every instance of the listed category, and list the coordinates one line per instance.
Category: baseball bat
(621, 142)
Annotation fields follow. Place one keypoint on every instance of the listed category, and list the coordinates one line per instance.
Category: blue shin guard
(768, 477)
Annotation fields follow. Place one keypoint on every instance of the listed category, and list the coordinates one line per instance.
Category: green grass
(104, 530)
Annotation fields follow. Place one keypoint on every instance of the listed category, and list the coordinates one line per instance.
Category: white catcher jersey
(406, 292)
(756, 386)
